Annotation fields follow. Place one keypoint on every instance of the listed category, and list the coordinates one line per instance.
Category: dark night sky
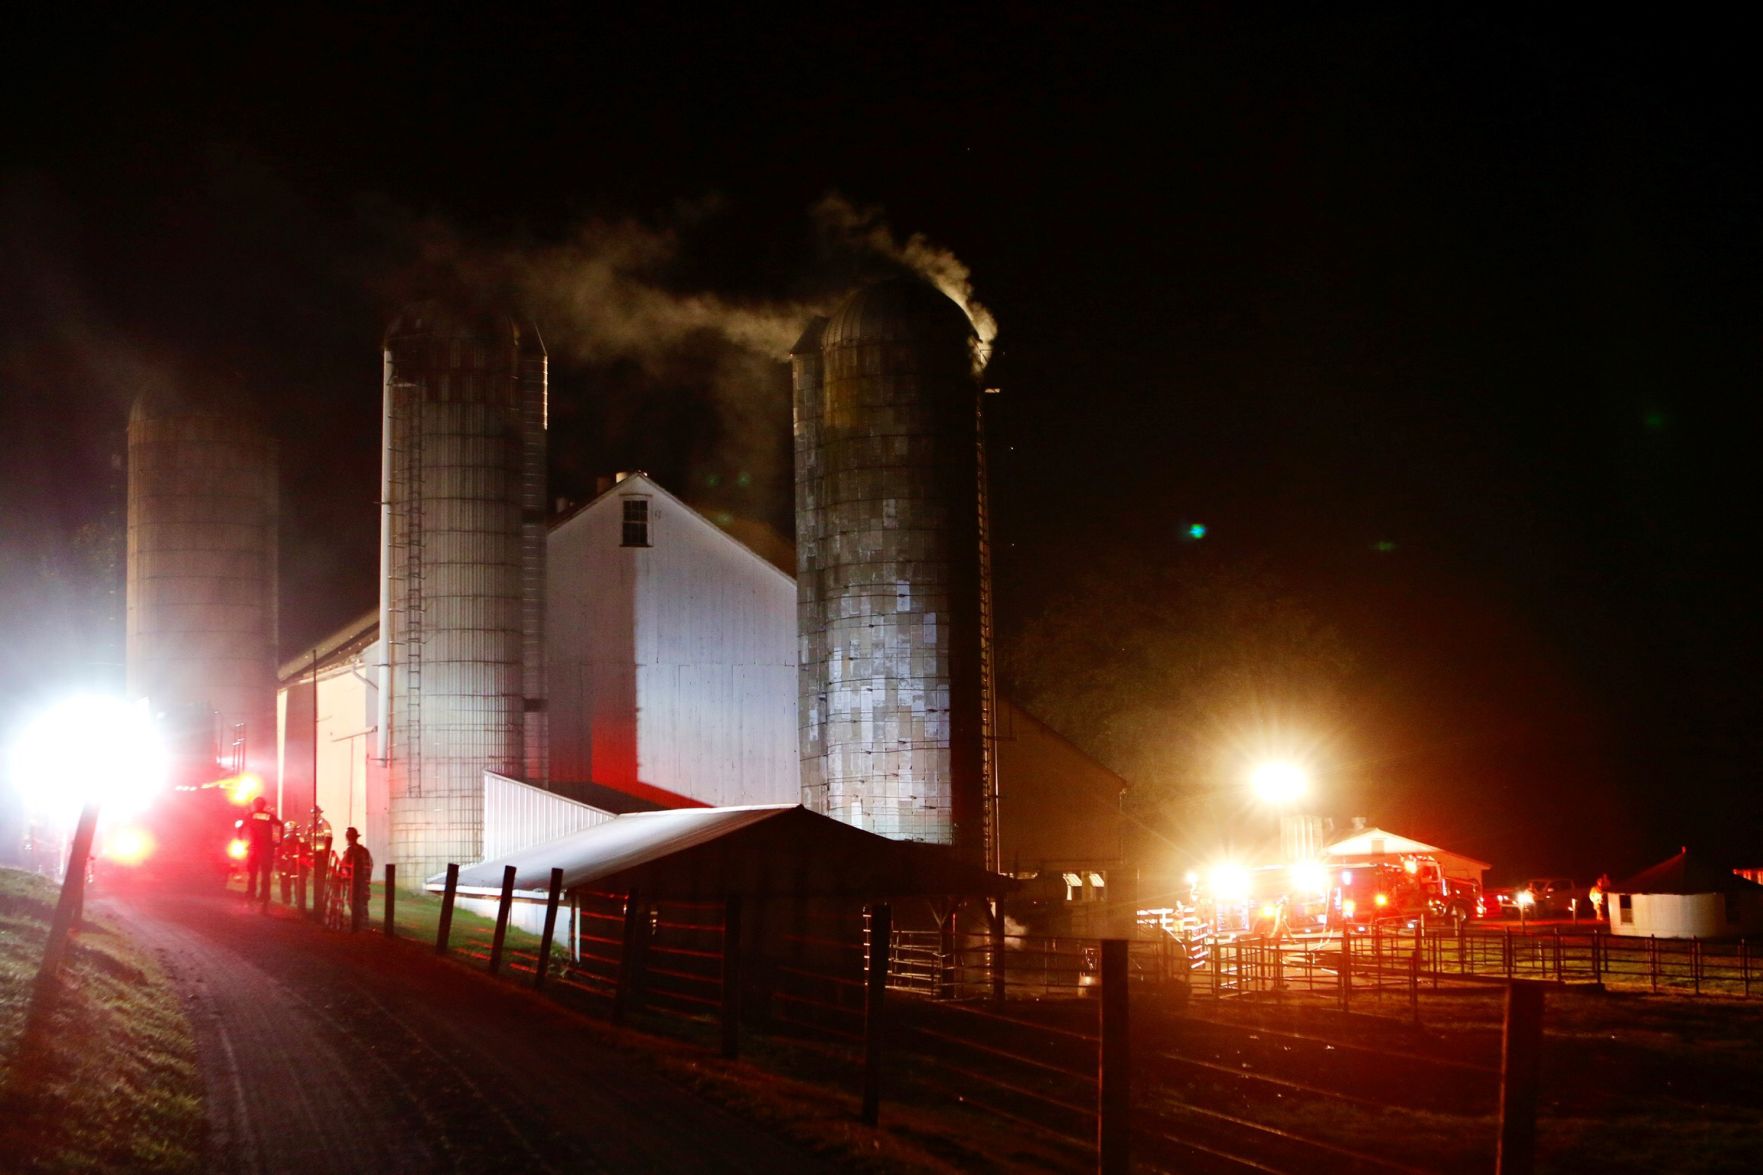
(1482, 288)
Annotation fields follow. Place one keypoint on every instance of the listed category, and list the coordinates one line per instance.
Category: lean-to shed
(1686, 896)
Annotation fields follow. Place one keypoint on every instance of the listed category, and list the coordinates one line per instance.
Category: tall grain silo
(202, 579)
(809, 397)
(895, 680)
(462, 575)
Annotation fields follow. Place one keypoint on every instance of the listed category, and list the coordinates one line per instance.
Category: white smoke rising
(867, 230)
(606, 292)
(601, 294)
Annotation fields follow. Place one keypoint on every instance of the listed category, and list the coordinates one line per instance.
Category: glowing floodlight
(1309, 877)
(1229, 882)
(93, 749)
(1281, 782)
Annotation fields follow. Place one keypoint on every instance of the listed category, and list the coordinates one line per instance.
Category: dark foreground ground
(330, 1052)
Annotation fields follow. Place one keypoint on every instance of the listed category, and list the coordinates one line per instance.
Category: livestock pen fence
(1078, 1050)
(1033, 1034)
(1419, 959)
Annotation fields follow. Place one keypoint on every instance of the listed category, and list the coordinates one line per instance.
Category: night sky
(1448, 321)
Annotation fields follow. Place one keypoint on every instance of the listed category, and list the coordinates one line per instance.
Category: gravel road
(324, 1051)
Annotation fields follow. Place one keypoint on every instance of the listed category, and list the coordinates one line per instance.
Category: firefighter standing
(355, 870)
(319, 842)
(262, 834)
(290, 860)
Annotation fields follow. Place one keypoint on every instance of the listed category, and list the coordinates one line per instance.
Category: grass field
(105, 1078)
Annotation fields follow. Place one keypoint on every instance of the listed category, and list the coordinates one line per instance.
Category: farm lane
(326, 1051)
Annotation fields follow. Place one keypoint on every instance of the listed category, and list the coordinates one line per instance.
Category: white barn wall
(673, 666)
(350, 787)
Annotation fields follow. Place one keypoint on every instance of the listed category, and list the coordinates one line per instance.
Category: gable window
(636, 522)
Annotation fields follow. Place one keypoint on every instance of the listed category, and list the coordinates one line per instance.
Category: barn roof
(1378, 842)
(759, 851)
(1684, 873)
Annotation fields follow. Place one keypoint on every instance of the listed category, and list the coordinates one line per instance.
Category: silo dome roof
(900, 309)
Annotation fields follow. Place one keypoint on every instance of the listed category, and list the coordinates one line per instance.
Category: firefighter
(318, 843)
(355, 870)
(262, 833)
(289, 861)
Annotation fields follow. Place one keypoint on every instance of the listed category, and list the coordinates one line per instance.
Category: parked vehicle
(1418, 888)
(1557, 897)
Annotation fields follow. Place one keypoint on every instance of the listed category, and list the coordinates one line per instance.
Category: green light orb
(1197, 530)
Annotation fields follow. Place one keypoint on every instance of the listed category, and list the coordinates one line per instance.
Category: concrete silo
(462, 575)
(202, 580)
(895, 686)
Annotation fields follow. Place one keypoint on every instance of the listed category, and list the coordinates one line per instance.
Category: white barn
(670, 654)
(1685, 897)
(670, 650)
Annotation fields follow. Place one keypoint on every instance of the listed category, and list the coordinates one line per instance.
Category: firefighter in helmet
(262, 834)
(355, 870)
(289, 861)
(319, 844)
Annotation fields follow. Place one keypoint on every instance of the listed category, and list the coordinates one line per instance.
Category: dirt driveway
(324, 1051)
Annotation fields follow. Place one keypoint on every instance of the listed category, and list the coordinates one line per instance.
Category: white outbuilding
(1686, 897)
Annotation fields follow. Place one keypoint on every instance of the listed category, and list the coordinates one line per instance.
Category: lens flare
(242, 789)
(236, 849)
(130, 846)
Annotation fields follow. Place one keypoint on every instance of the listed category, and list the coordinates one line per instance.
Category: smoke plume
(866, 230)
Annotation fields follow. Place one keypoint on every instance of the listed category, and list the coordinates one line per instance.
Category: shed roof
(1684, 873)
(760, 851)
(1380, 842)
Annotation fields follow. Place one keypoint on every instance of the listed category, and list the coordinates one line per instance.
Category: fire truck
(187, 835)
(1364, 895)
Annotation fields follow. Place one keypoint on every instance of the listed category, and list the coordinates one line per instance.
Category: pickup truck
(1551, 897)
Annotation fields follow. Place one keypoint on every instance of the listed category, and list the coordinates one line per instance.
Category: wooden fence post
(503, 908)
(629, 958)
(1346, 975)
(444, 929)
(391, 901)
(731, 977)
(1521, 1048)
(1745, 965)
(1114, 1117)
(881, 927)
(550, 935)
(946, 944)
(997, 929)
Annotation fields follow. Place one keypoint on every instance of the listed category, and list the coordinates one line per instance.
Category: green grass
(417, 918)
(105, 1078)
